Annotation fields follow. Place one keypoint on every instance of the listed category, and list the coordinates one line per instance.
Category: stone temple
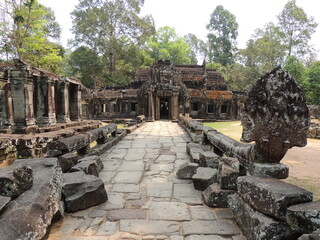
(165, 90)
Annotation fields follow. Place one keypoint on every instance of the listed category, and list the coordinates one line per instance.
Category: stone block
(214, 196)
(187, 170)
(209, 159)
(67, 161)
(194, 146)
(257, 226)
(90, 165)
(3, 203)
(276, 170)
(29, 215)
(271, 196)
(15, 179)
(228, 173)
(312, 236)
(304, 217)
(81, 191)
(204, 177)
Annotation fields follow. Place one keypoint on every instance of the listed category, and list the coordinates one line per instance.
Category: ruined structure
(165, 90)
(32, 97)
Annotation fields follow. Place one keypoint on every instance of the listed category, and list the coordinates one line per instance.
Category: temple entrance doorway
(164, 108)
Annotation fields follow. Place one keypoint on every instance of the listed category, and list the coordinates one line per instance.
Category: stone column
(21, 87)
(151, 106)
(62, 99)
(175, 106)
(75, 102)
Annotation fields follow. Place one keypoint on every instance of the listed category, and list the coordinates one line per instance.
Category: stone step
(187, 170)
(276, 170)
(304, 217)
(204, 177)
(228, 173)
(271, 196)
(257, 226)
(214, 196)
(209, 159)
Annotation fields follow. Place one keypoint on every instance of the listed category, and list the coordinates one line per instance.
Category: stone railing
(81, 142)
(245, 177)
(193, 127)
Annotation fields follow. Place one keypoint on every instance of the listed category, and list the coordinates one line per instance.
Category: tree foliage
(111, 28)
(198, 52)
(296, 29)
(313, 84)
(223, 29)
(31, 33)
(167, 45)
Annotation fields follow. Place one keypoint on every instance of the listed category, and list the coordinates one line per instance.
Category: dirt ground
(304, 163)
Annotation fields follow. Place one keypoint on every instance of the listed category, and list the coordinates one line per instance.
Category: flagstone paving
(146, 200)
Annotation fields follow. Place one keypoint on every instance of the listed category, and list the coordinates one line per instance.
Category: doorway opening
(164, 108)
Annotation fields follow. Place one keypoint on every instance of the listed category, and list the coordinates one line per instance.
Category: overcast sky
(192, 16)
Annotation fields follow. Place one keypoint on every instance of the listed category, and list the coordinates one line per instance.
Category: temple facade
(165, 90)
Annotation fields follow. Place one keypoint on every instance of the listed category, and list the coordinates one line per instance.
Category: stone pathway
(146, 200)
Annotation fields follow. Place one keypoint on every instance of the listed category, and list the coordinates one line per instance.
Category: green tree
(32, 33)
(296, 69)
(296, 29)
(223, 29)
(167, 45)
(198, 48)
(86, 64)
(109, 27)
(313, 94)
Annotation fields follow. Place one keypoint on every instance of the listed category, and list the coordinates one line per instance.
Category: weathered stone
(195, 147)
(271, 196)
(276, 170)
(29, 215)
(3, 202)
(121, 214)
(304, 217)
(257, 226)
(81, 191)
(201, 213)
(214, 196)
(228, 173)
(90, 165)
(187, 170)
(67, 161)
(222, 228)
(15, 179)
(60, 213)
(174, 211)
(144, 227)
(312, 236)
(209, 159)
(204, 177)
(205, 237)
(160, 190)
(186, 193)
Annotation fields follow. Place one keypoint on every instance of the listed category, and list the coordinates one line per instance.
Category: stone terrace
(146, 200)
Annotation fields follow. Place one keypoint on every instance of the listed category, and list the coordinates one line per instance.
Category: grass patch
(231, 129)
(121, 126)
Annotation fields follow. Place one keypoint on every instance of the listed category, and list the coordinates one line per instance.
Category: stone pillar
(62, 99)
(175, 106)
(157, 110)
(75, 102)
(46, 115)
(21, 87)
(6, 111)
(151, 106)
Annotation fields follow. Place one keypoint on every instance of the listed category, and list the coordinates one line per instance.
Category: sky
(192, 16)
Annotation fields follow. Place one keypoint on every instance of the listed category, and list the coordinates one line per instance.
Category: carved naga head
(275, 116)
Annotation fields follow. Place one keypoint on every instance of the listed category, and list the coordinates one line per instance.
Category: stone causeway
(145, 198)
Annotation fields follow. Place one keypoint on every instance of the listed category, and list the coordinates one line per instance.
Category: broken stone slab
(228, 173)
(276, 170)
(29, 215)
(194, 156)
(214, 196)
(81, 191)
(187, 170)
(304, 217)
(271, 196)
(71, 144)
(312, 236)
(15, 179)
(257, 226)
(209, 159)
(204, 177)
(90, 165)
(67, 161)
(101, 134)
(3, 203)
(194, 146)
